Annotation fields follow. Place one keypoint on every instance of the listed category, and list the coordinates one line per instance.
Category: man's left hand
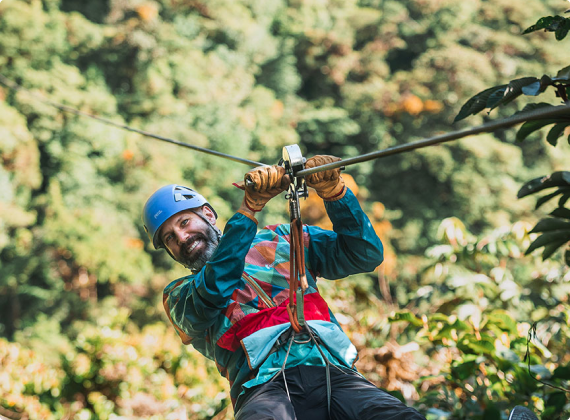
(328, 184)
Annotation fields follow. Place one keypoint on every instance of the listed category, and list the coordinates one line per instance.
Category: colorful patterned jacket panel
(244, 287)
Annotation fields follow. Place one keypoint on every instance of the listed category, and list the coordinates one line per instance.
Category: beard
(198, 259)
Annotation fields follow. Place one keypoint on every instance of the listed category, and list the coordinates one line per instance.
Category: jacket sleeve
(193, 303)
(352, 247)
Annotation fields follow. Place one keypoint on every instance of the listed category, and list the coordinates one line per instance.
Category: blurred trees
(245, 78)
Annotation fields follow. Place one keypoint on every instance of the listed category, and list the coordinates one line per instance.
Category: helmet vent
(181, 193)
(182, 197)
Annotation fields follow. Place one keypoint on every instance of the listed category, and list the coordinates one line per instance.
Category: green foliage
(79, 281)
(482, 337)
(555, 232)
(107, 370)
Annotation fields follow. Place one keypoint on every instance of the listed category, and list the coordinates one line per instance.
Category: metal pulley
(294, 162)
(293, 159)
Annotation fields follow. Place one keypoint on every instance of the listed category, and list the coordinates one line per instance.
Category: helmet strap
(212, 226)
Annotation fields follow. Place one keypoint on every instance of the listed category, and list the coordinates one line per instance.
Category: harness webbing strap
(297, 276)
(291, 336)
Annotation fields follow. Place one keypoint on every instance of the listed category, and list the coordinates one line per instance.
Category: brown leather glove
(329, 184)
(267, 182)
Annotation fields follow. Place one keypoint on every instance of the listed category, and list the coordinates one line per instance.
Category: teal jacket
(234, 309)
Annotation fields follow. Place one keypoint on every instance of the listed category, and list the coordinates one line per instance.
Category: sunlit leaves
(406, 316)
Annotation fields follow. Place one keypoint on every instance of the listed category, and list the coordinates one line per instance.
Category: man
(233, 308)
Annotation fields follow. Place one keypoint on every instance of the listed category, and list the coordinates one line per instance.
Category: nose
(181, 236)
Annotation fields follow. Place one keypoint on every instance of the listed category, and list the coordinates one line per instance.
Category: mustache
(199, 258)
(188, 243)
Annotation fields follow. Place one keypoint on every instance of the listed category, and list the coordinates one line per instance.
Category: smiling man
(191, 236)
(233, 307)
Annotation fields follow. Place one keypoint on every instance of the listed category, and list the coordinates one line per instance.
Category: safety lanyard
(293, 162)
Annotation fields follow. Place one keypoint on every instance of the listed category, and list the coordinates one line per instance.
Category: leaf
(561, 372)
(561, 212)
(555, 179)
(563, 74)
(462, 326)
(552, 248)
(563, 199)
(548, 23)
(495, 97)
(463, 371)
(478, 102)
(562, 30)
(557, 400)
(556, 132)
(557, 237)
(513, 90)
(531, 107)
(546, 198)
(447, 330)
(531, 126)
(492, 413)
(503, 320)
(533, 89)
(551, 224)
(483, 345)
(406, 316)
(436, 316)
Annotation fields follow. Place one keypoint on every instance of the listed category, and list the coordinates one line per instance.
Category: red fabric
(315, 309)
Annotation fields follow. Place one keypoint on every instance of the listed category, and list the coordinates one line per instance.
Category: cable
(430, 141)
(14, 86)
(454, 135)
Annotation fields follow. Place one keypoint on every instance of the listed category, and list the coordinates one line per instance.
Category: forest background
(443, 323)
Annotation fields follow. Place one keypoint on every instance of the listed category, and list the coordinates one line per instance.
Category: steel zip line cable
(13, 85)
(537, 114)
(431, 141)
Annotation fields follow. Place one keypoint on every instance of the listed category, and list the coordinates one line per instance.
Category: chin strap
(213, 226)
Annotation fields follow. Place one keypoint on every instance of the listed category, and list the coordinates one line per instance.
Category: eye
(167, 238)
(184, 222)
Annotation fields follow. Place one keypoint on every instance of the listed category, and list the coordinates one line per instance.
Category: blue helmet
(166, 202)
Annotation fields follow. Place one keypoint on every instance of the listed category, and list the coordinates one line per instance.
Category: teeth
(194, 245)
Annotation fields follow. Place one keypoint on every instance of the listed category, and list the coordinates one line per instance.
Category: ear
(209, 214)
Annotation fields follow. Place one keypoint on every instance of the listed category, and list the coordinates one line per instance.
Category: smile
(193, 246)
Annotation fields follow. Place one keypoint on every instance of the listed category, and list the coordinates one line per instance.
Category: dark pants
(352, 398)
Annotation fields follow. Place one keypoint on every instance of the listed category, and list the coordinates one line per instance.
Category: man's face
(189, 238)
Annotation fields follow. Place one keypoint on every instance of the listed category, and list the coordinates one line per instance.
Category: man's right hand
(262, 184)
